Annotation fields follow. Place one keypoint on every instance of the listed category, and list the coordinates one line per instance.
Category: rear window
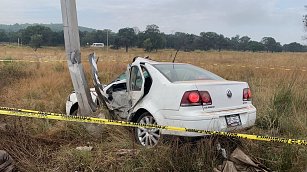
(185, 72)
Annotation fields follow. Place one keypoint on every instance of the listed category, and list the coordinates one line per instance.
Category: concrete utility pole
(72, 47)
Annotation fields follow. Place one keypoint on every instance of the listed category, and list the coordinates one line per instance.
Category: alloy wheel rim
(148, 137)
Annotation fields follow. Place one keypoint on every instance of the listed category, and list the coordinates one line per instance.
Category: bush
(12, 71)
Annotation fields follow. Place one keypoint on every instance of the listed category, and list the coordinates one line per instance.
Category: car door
(135, 84)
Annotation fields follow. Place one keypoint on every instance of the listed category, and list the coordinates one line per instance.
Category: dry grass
(278, 82)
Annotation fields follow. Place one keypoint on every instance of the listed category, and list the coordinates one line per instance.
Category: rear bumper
(213, 121)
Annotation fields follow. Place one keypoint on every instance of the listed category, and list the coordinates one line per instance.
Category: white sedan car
(175, 94)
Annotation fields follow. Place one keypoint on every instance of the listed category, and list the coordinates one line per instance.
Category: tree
(223, 43)
(293, 47)
(57, 38)
(234, 42)
(152, 28)
(243, 43)
(153, 33)
(305, 20)
(278, 47)
(45, 32)
(36, 41)
(3, 36)
(170, 41)
(127, 37)
(210, 40)
(255, 46)
(269, 43)
(116, 43)
(13, 36)
(180, 41)
(148, 45)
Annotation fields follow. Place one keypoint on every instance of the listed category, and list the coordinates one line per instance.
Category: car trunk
(224, 94)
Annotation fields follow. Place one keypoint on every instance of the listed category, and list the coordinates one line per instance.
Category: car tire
(147, 137)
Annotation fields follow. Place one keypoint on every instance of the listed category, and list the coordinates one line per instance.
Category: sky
(280, 19)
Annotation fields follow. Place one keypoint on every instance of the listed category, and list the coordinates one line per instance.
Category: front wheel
(148, 137)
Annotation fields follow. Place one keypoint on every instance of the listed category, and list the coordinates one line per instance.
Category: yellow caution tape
(83, 119)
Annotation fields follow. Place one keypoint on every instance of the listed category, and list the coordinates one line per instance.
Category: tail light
(205, 97)
(193, 97)
(196, 98)
(190, 98)
(247, 94)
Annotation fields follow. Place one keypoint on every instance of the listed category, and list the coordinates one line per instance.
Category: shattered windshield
(185, 72)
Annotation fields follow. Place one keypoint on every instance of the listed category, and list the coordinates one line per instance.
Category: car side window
(136, 80)
(148, 80)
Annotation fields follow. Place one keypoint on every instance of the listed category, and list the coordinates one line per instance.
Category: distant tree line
(305, 21)
(152, 39)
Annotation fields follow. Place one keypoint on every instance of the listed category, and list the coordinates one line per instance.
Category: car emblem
(229, 93)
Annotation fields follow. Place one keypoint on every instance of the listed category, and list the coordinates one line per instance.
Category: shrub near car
(177, 94)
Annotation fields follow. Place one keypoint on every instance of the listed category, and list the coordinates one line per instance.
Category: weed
(281, 108)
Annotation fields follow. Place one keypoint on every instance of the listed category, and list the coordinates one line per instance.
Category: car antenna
(175, 56)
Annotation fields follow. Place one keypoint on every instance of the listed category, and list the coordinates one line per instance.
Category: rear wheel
(148, 137)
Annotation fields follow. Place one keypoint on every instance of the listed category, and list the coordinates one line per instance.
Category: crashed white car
(175, 94)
